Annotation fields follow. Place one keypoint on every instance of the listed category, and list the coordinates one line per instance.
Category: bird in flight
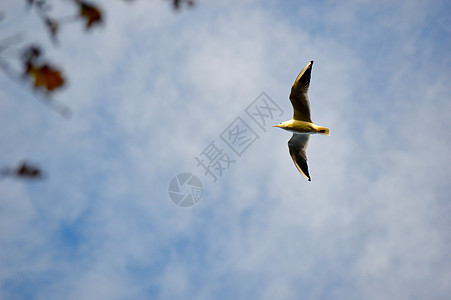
(301, 125)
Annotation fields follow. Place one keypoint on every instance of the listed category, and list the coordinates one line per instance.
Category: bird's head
(280, 125)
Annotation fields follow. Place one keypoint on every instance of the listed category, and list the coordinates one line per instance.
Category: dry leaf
(44, 77)
(24, 170)
(28, 171)
(90, 13)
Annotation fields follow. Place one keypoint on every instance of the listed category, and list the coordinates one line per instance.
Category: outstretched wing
(299, 94)
(298, 148)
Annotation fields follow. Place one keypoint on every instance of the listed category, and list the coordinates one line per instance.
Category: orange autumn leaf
(45, 77)
(90, 13)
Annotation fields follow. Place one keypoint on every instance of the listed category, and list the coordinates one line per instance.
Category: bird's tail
(323, 130)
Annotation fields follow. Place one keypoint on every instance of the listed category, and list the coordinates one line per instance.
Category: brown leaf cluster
(42, 75)
(23, 171)
(87, 12)
(90, 13)
(45, 77)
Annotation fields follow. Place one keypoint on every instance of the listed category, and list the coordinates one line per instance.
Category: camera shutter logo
(185, 189)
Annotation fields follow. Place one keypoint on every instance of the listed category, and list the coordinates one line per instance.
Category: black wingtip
(311, 62)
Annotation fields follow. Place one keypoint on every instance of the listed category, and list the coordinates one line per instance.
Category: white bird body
(301, 125)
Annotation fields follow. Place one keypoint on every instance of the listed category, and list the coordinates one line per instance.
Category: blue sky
(152, 88)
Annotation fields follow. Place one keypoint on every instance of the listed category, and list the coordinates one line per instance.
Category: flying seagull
(301, 125)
